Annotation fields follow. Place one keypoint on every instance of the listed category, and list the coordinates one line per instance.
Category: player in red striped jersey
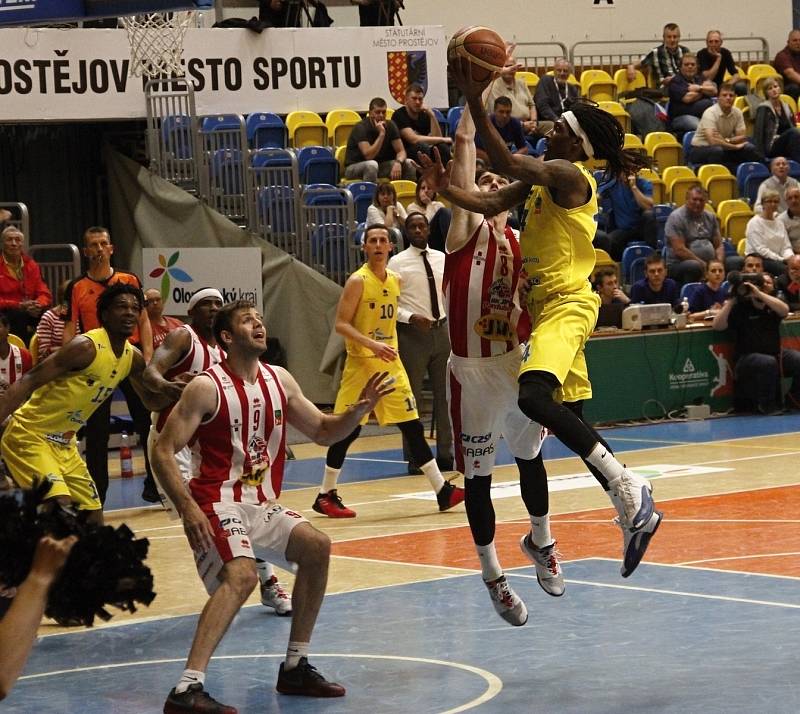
(481, 285)
(238, 410)
(14, 360)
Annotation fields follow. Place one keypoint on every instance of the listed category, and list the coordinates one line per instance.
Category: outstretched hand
(433, 172)
(377, 387)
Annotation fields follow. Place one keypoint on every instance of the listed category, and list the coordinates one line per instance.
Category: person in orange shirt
(82, 295)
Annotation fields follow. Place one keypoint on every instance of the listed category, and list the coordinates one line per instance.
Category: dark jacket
(765, 127)
(550, 101)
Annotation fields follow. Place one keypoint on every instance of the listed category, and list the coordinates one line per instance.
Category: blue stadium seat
(176, 133)
(661, 212)
(629, 255)
(363, 193)
(443, 123)
(453, 117)
(220, 121)
(266, 130)
(227, 171)
(749, 176)
(271, 157)
(688, 290)
(276, 204)
(687, 147)
(794, 169)
(317, 164)
(638, 269)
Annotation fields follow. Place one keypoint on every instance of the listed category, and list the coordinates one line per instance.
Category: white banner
(180, 272)
(83, 73)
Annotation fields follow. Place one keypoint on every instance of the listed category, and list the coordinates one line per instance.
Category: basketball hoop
(156, 40)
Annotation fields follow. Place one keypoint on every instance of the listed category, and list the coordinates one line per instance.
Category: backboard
(39, 12)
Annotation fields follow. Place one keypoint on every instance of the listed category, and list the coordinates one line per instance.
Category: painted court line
(738, 557)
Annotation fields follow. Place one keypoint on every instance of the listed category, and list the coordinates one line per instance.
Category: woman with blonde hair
(774, 133)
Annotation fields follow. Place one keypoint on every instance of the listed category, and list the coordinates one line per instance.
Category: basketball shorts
(29, 456)
(561, 326)
(394, 408)
(483, 392)
(186, 459)
(244, 530)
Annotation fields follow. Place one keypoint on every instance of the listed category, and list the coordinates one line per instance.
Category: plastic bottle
(125, 457)
(684, 305)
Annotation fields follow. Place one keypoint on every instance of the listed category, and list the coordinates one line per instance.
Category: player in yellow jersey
(558, 227)
(63, 391)
(367, 318)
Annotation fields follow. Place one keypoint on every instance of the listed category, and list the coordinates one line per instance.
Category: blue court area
(670, 639)
(381, 464)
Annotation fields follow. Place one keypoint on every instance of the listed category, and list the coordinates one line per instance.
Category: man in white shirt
(780, 181)
(423, 340)
(791, 217)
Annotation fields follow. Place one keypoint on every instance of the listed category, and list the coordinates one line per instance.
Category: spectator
(419, 127)
(787, 63)
(767, 236)
(5, 217)
(753, 263)
(436, 212)
(755, 317)
(388, 211)
(522, 105)
(19, 626)
(721, 137)
(612, 299)
(789, 283)
(655, 287)
(82, 296)
(714, 61)
(791, 216)
(423, 340)
(510, 129)
(14, 361)
(774, 132)
(708, 300)
(627, 211)
(375, 149)
(23, 293)
(555, 93)
(689, 96)
(50, 330)
(377, 13)
(693, 238)
(779, 182)
(663, 61)
(160, 325)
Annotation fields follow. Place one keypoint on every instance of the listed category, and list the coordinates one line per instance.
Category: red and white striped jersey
(16, 363)
(243, 444)
(480, 285)
(200, 357)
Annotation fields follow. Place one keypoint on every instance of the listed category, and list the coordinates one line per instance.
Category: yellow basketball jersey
(556, 243)
(376, 315)
(57, 410)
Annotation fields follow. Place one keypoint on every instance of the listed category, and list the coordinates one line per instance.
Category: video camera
(740, 284)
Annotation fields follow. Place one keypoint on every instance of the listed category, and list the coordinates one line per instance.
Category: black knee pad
(536, 393)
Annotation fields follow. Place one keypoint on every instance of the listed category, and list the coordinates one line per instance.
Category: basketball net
(156, 40)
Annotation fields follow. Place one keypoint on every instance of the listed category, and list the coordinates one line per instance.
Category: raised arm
(462, 175)
(171, 351)
(327, 429)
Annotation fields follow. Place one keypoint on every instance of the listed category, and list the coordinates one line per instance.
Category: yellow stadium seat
(757, 73)
(623, 85)
(389, 112)
(603, 260)
(790, 101)
(531, 79)
(741, 247)
(664, 148)
(306, 129)
(735, 225)
(598, 85)
(339, 123)
(741, 103)
(725, 208)
(618, 112)
(718, 181)
(678, 180)
(572, 79)
(33, 348)
(634, 142)
(406, 191)
(659, 189)
(16, 341)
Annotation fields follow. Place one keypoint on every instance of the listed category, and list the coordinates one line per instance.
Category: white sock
(540, 530)
(435, 478)
(329, 479)
(265, 570)
(189, 677)
(490, 565)
(294, 652)
(603, 460)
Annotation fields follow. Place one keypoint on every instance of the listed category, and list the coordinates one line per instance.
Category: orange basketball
(483, 48)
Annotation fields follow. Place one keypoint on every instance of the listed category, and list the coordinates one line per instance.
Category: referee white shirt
(414, 291)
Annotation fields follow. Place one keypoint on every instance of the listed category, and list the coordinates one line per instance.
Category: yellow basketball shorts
(561, 326)
(394, 408)
(29, 456)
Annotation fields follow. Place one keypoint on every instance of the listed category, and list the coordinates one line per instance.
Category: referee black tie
(431, 286)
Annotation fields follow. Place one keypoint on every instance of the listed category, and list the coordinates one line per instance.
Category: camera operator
(755, 317)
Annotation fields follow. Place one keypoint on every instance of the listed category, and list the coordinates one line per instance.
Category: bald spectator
(555, 93)
(161, 325)
(664, 61)
(522, 105)
(779, 182)
(693, 238)
(791, 216)
(787, 63)
(714, 61)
